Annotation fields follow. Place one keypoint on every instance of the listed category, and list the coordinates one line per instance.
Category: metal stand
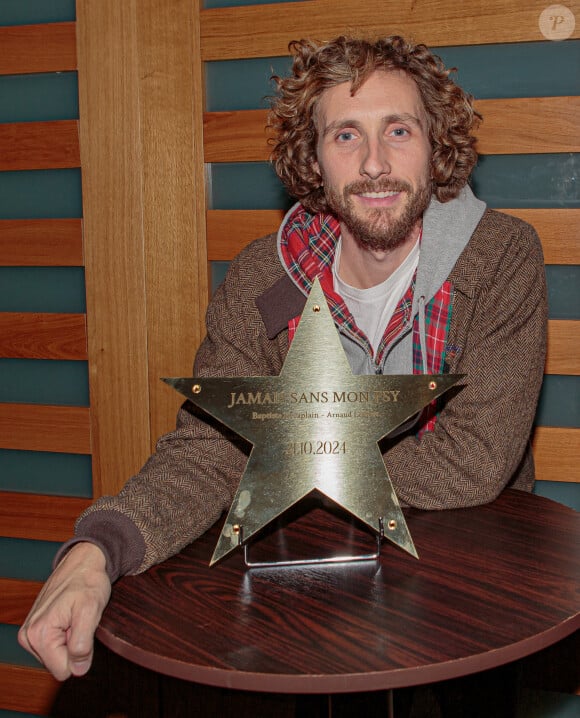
(310, 561)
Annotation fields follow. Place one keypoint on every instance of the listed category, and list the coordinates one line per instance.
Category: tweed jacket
(480, 443)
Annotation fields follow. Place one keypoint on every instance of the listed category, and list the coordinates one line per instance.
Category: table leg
(390, 704)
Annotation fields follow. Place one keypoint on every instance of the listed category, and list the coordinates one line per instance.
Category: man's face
(374, 157)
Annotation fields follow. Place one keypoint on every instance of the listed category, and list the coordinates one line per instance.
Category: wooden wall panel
(563, 347)
(37, 427)
(111, 157)
(27, 690)
(556, 453)
(229, 231)
(241, 135)
(266, 30)
(40, 517)
(520, 125)
(29, 335)
(38, 48)
(509, 127)
(173, 196)
(144, 208)
(16, 599)
(41, 242)
(39, 145)
(559, 230)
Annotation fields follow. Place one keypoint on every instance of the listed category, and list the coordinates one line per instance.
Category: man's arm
(499, 327)
(194, 473)
(179, 493)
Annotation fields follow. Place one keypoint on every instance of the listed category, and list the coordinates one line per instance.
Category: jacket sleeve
(193, 474)
(481, 437)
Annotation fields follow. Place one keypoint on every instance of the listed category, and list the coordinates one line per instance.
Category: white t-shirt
(373, 308)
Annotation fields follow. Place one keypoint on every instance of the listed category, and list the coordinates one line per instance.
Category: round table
(493, 584)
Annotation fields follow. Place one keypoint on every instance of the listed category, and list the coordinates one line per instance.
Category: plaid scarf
(308, 245)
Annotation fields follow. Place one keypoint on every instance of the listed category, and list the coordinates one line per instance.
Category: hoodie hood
(447, 228)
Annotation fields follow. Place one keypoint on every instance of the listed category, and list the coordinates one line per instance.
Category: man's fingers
(63, 652)
(25, 643)
(80, 639)
(57, 662)
(80, 667)
(48, 647)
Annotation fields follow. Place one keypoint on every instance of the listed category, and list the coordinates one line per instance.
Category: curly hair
(317, 67)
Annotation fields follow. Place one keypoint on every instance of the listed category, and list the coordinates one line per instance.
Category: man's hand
(60, 627)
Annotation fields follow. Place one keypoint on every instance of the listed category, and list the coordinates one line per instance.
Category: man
(375, 141)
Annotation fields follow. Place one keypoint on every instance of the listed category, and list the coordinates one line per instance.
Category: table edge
(339, 683)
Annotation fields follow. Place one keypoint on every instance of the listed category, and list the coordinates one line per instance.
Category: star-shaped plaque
(316, 426)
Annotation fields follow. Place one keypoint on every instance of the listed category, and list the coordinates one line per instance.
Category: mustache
(383, 185)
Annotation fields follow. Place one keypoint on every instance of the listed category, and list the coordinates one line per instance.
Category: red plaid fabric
(308, 244)
(437, 321)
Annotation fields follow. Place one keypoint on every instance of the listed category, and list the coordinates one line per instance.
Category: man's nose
(375, 160)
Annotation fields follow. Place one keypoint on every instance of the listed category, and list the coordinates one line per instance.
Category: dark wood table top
(493, 584)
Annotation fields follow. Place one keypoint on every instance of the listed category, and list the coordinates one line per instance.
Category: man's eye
(345, 136)
(400, 132)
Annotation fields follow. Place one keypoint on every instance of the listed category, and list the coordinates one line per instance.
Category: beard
(379, 229)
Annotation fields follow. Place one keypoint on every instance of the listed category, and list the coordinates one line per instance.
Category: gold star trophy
(315, 427)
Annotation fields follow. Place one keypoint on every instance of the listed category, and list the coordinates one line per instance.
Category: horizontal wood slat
(240, 135)
(16, 599)
(28, 690)
(515, 126)
(28, 335)
(559, 230)
(39, 516)
(563, 347)
(528, 125)
(557, 453)
(39, 145)
(229, 231)
(41, 242)
(35, 427)
(265, 30)
(50, 47)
